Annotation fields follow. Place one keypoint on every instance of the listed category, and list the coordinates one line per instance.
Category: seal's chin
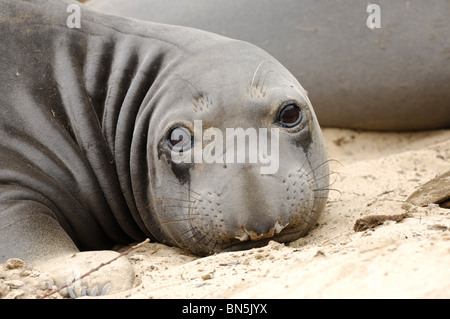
(283, 237)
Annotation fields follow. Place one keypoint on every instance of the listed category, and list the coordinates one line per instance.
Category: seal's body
(89, 118)
(395, 77)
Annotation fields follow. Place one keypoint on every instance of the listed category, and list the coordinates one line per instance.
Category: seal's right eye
(180, 139)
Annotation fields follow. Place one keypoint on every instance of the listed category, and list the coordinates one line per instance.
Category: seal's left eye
(289, 115)
(179, 139)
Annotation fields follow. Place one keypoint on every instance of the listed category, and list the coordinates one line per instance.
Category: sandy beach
(374, 173)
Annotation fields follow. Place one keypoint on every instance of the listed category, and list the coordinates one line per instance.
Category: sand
(376, 172)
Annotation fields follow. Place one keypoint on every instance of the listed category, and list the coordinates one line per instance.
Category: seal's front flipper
(436, 191)
(29, 231)
(109, 279)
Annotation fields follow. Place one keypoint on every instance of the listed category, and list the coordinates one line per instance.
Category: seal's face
(210, 193)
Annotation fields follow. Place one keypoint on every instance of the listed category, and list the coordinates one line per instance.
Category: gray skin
(85, 116)
(393, 78)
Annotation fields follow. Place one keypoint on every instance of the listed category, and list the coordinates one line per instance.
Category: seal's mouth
(288, 235)
(248, 234)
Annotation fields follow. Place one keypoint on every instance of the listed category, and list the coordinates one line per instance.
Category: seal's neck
(105, 74)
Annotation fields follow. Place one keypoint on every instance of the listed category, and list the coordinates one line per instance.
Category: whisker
(198, 199)
(334, 160)
(184, 193)
(324, 176)
(254, 75)
(178, 191)
(187, 231)
(178, 220)
(315, 197)
(189, 190)
(190, 195)
(215, 244)
(264, 83)
(302, 167)
(193, 236)
(175, 221)
(178, 206)
(321, 164)
(168, 198)
(209, 241)
(324, 189)
(335, 180)
(198, 241)
(327, 189)
(199, 95)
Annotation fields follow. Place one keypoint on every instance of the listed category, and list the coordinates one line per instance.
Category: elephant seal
(90, 120)
(395, 77)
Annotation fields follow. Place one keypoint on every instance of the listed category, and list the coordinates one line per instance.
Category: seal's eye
(179, 139)
(289, 115)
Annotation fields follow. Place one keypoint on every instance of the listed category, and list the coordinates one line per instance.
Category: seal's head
(209, 190)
